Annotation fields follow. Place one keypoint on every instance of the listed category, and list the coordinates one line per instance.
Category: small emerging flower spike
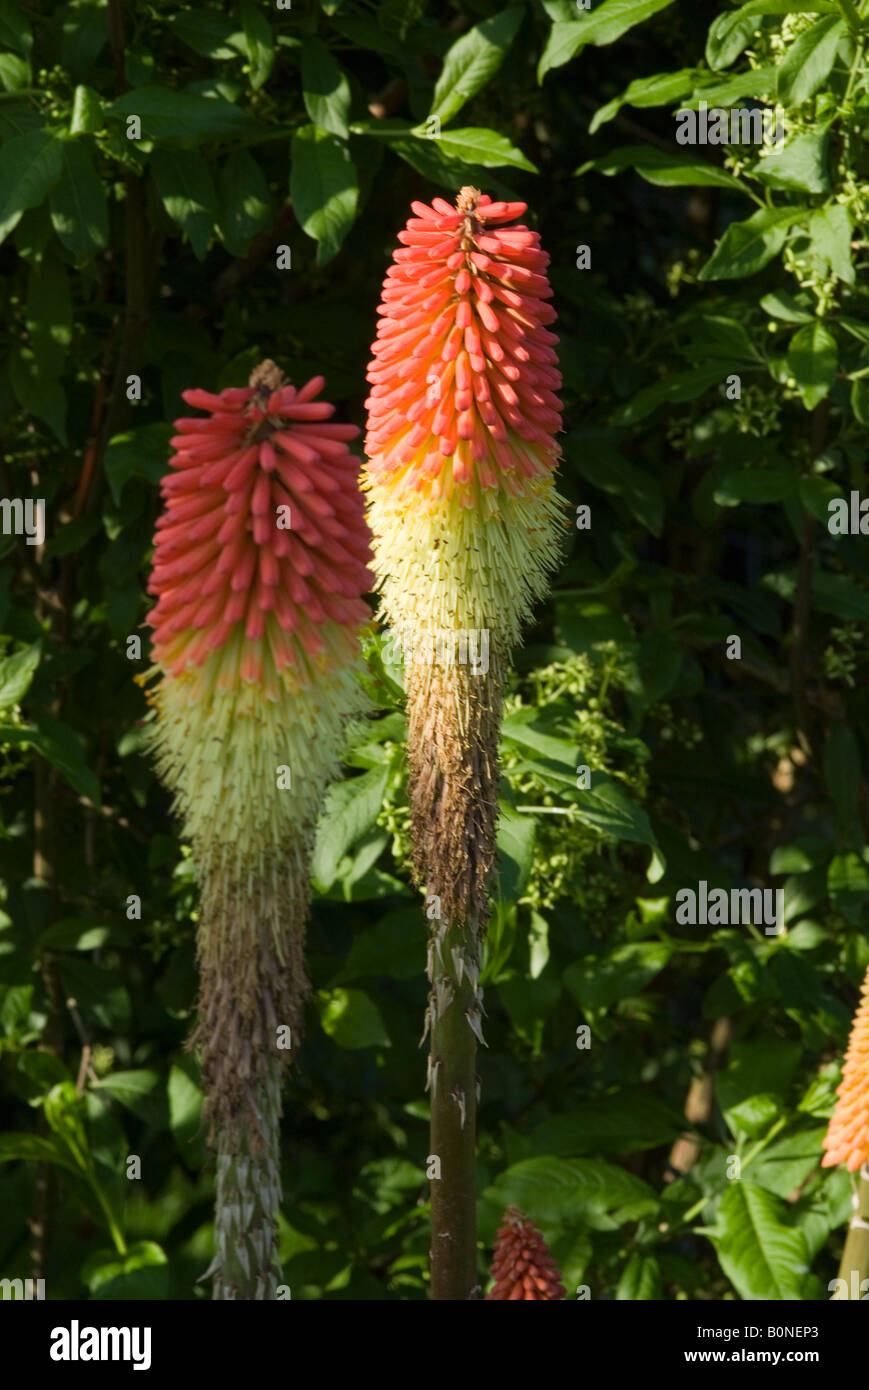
(847, 1138)
(260, 564)
(522, 1266)
(462, 451)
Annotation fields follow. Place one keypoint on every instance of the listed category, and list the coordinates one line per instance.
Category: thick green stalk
(248, 1199)
(453, 1086)
(453, 721)
(252, 988)
(854, 1269)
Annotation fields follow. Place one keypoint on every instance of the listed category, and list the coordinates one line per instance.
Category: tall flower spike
(259, 570)
(847, 1138)
(522, 1266)
(461, 447)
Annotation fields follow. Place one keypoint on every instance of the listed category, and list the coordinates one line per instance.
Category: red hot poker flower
(522, 1266)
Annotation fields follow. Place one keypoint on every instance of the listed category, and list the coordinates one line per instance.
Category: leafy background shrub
(157, 257)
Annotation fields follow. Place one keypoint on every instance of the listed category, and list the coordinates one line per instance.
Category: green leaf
(395, 948)
(729, 33)
(324, 188)
(659, 664)
(519, 728)
(186, 190)
(806, 936)
(30, 166)
(473, 60)
(582, 624)
(139, 453)
(14, 72)
(245, 206)
(801, 166)
(816, 494)
(842, 772)
(565, 1190)
(715, 335)
(38, 391)
(860, 400)
(365, 32)
(184, 118)
(43, 1070)
(641, 1279)
(259, 42)
(61, 746)
(16, 673)
(49, 313)
(782, 1167)
(812, 358)
(599, 982)
(34, 1149)
(529, 1002)
(799, 857)
(538, 944)
(661, 167)
(753, 1115)
(762, 1256)
(185, 1106)
(609, 471)
(809, 60)
(746, 247)
(604, 24)
(15, 32)
(482, 147)
(74, 934)
(325, 88)
(671, 389)
(629, 1121)
(763, 1064)
(208, 34)
(140, 1091)
(755, 485)
(351, 1019)
(351, 809)
(515, 842)
(848, 885)
(429, 158)
(141, 1274)
(103, 1000)
(745, 125)
(831, 593)
(856, 328)
(659, 90)
(79, 213)
(608, 808)
(830, 230)
(781, 305)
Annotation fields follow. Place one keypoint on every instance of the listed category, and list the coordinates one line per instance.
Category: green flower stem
(854, 1268)
(246, 1265)
(453, 1137)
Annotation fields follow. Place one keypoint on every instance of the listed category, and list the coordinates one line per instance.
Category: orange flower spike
(522, 1266)
(462, 421)
(847, 1138)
